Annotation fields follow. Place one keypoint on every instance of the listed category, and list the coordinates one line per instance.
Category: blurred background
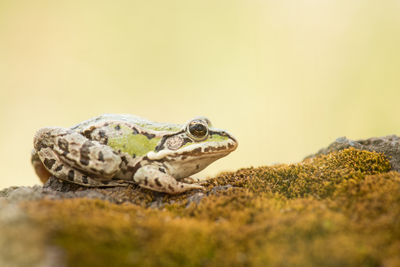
(285, 77)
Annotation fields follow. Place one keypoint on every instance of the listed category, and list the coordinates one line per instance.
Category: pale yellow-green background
(285, 77)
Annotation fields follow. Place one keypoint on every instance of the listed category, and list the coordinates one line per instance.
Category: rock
(389, 145)
(21, 242)
(24, 193)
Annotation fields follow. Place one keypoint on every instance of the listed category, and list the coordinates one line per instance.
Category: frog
(121, 149)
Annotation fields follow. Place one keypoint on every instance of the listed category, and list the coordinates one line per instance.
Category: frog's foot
(192, 180)
(64, 172)
(152, 178)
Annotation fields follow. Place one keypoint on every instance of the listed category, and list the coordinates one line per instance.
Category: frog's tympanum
(116, 150)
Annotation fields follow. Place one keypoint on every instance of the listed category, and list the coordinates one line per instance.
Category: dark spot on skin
(103, 137)
(63, 145)
(159, 147)
(158, 182)
(84, 161)
(101, 156)
(123, 159)
(171, 188)
(41, 145)
(84, 179)
(118, 127)
(88, 133)
(49, 163)
(85, 151)
(181, 186)
(161, 170)
(71, 175)
(59, 168)
(149, 135)
(218, 148)
(183, 157)
(146, 180)
(186, 140)
(197, 150)
(106, 124)
(197, 166)
(218, 133)
(134, 169)
(123, 164)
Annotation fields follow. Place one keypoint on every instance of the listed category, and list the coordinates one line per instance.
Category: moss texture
(341, 209)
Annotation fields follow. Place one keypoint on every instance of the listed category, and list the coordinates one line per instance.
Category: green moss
(318, 177)
(342, 209)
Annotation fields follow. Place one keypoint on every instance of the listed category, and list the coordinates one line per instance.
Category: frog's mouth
(196, 157)
(216, 149)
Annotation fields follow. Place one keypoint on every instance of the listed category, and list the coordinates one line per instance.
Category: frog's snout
(232, 142)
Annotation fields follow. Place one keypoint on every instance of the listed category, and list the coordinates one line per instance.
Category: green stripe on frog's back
(135, 144)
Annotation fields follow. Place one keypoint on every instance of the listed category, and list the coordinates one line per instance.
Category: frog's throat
(214, 149)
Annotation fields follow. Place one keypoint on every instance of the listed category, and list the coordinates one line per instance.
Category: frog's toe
(192, 180)
(182, 187)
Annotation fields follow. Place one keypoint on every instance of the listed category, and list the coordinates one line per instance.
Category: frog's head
(196, 145)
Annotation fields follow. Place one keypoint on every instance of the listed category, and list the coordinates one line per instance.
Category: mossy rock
(339, 209)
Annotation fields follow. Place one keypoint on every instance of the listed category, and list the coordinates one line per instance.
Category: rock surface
(338, 209)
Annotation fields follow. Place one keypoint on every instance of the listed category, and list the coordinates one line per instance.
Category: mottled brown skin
(83, 154)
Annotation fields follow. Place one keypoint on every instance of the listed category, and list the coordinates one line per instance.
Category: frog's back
(109, 118)
(126, 133)
(128, 119)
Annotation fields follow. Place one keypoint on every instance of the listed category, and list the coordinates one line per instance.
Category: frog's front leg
(77, 151)
(152, 178)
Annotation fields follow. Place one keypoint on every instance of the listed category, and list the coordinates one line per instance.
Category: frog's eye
(197, 130)
(205, 120)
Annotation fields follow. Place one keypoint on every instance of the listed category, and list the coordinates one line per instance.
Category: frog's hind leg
(79, 152)
(40, 170)
(64, 172)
